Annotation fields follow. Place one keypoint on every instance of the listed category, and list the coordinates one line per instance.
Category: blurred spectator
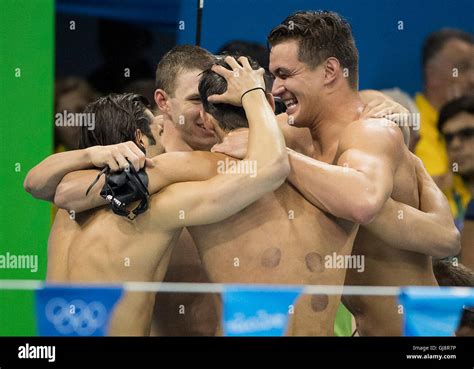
(448, 70)
(456, 123)
(71, 96)
(405, 100)
(123, 46)
(255, 50)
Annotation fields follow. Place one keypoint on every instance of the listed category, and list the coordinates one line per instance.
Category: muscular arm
(359, 185)
(167, 168)
(430, 230)
(42, 180)
(196, 203)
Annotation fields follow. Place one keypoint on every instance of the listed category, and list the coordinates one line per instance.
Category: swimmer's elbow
(363, 217)
(35, 186)
(27, 185)
(279, 170)
(364, 212)
(450, 245)
(61, 198)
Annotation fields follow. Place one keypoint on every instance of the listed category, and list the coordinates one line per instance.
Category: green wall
(26, 129)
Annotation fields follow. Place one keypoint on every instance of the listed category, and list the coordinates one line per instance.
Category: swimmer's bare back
(280, 239)
(99, 246)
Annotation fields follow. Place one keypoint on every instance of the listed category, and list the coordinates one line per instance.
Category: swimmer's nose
(278, 88)
(205, 122)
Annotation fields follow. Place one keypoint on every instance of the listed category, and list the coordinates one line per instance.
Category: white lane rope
(23, 284)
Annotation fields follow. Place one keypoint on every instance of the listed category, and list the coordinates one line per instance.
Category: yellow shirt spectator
(431, 149)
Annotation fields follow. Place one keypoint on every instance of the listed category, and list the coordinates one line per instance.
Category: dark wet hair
(228, 116)
(117, 118)
(454, 107)
(320, 35)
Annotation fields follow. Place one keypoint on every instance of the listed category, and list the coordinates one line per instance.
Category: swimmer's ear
(270, 100)
(139, 138)
(331, 69)
(162, 100)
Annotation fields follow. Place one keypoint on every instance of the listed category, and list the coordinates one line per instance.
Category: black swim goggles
(124, 187)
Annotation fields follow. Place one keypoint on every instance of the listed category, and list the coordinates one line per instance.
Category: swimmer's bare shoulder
(373, 135)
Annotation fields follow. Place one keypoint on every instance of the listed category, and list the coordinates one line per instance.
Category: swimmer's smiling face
(296, 83)
(185, 107)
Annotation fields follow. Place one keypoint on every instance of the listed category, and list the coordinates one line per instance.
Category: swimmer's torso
(387, 266)
(100, 246)
(282, 239)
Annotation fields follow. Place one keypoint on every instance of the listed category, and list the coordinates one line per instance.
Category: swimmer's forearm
(42, 180)
(340, 191)
(406, 228)
(177, 167)
(435, 207)
(266, 142)
(71, 191)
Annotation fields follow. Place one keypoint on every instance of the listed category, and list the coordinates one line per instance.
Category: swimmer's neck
(340, 110)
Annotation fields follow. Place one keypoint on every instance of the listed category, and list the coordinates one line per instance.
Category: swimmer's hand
(381, 106)
(384, 107)
(115, 156)
(234, 144)
(240, 79)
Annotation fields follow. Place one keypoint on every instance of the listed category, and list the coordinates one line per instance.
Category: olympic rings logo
(76, 316)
